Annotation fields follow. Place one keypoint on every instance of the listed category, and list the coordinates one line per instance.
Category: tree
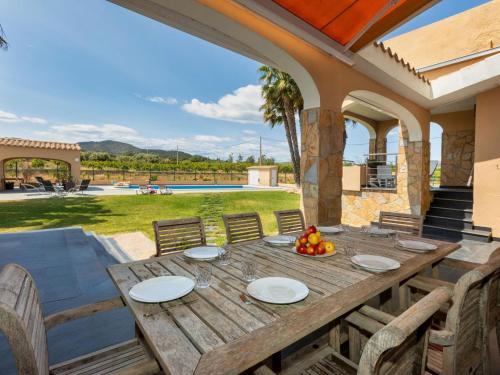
(282, 101)
(250, 159)
(37, 163)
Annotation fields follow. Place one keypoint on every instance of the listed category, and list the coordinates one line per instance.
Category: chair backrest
(21, 320)
(47, 184)
(401, 346)
(467, 319)
(290, 221)
(243, 227)
(178, 235)
(384, 171)
(400, 222)
(84, 184)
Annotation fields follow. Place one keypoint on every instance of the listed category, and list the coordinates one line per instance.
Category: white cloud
(162, 100)
(241, 106)
(11, 117)
(211, 138)
(249, 132)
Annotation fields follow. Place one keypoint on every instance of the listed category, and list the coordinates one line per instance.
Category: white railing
(381, 171)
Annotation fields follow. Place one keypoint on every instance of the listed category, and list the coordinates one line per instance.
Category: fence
(109, 176)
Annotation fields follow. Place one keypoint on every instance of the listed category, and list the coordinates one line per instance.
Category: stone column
(413, 173)
(321, 165)
(372, 147)
(457, 157)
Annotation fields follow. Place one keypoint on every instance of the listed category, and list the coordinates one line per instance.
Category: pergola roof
(18, 142)
(353, 23)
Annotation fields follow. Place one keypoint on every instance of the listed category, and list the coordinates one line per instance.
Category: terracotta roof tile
(17, 142)
(400, 60)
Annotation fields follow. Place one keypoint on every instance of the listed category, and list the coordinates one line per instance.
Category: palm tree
(282, 101)
(3, 41)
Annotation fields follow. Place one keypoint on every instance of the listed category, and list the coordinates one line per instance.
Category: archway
(14, 148)
(389, 106)
(436, 145)
(26, 170)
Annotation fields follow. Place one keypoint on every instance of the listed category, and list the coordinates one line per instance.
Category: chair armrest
(441, 337)
(82, 311)
(378, 315)
(363, 322)
(460, 264)
(427, 284)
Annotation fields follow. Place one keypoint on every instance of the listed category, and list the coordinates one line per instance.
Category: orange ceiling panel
(341, 20)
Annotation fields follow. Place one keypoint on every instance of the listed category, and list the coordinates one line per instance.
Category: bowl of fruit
(310, 244)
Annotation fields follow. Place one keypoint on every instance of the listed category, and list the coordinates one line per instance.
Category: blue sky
(90, 70)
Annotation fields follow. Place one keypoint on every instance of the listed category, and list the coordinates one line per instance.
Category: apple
(303, 239)
(321, 250)
(311, 229)
(311, 251)
(297, 243)
(329, 247)
(313, 239)
(302, 249)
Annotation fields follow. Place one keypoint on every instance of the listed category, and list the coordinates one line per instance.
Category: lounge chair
(165, 190)
(143, 190)
(84, 184)
(31, 188)
(51, 188)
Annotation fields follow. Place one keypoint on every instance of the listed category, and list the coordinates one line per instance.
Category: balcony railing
(381, 171)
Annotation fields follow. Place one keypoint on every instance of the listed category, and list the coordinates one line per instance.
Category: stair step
(458, 234)
(448, 222)
(453, 193)
(457, 213)
(452, 203)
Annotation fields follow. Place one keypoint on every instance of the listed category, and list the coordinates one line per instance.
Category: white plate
(374, 231)
(279, 290)
(325, 255)
(416, 245)
(375, 262)
(202, 252)
(280, 240)
(161, 289)
(330, 230)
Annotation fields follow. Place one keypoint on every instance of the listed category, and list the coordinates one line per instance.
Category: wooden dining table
(221, 330)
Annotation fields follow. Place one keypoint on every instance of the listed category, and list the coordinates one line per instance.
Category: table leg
(276, 362)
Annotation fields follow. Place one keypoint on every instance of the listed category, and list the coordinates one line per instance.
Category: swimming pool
(194, 187)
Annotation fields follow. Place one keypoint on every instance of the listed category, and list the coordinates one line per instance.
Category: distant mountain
(120, 148)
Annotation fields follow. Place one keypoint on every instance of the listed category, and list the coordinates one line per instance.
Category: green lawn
(114, 214)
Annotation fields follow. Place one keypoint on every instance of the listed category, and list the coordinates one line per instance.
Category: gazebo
(15, 148)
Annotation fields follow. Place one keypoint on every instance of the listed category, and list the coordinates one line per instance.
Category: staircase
(450, 217)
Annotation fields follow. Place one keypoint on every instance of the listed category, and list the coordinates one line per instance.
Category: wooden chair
(462, 346)
(243, 227)
(178, 235)
(25, 328)
(290, 221)
(396, 348)
(404, 223)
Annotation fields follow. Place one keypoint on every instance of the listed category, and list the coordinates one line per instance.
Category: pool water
(192, 187)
